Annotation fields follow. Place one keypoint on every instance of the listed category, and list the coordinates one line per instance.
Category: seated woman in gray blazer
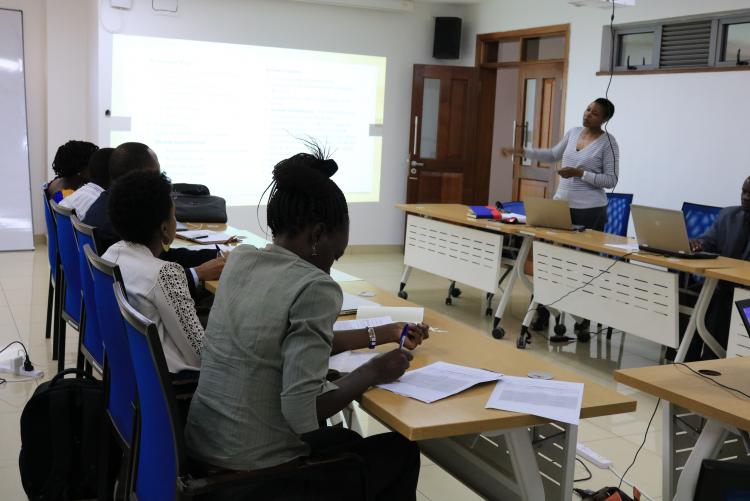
(142, 212)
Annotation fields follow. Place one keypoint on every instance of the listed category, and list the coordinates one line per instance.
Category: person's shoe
(541, 321)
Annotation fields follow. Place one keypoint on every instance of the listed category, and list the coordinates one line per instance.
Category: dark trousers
(392, 461)
(591, 219)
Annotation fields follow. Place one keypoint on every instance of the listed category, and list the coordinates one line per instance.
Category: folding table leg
(708, 445)
(525, 468)
(404, 278)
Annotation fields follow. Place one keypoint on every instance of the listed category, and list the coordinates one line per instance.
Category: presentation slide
(224, 114)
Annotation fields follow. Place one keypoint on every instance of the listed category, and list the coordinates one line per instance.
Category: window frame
(721, 38)
(637, 30)
(719, 21)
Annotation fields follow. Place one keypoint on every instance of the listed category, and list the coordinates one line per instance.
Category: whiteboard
(16, 232)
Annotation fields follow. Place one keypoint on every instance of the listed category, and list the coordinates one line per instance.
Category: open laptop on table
(549, 213)
(663, 231)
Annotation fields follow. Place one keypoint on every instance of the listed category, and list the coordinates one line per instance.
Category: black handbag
(194, 203)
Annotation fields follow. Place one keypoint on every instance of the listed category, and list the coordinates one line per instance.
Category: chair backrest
(49, 219)
(91, 336)
(160, 447)
(618, 213)
(698, 218)
(118, 369)
(66, 246)
(516, 207)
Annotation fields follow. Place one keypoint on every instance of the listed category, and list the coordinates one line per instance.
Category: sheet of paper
(397, 313)
(206, 236)
(222, 247)
(554, 400)
(340, 276)
(349, 361)
(439, 380)
(353, 303)
(345, 325)
(625, 247)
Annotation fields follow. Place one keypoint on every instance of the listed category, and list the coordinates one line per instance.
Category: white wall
(405, 38)
(682, 136)
(34, 38)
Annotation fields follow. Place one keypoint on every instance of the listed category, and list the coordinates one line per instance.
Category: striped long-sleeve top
(596, 159)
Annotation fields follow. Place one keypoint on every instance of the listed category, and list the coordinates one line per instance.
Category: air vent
(685, 45)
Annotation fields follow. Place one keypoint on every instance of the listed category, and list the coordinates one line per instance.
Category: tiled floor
(23, 296)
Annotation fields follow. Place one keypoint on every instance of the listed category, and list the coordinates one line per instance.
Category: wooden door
(442, 135)
(537, 126)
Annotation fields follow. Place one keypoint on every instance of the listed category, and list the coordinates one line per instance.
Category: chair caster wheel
(521, 342)
(455, 292)
(498, 333)
(488, 312)
(560, 329)
(403, 295)
(448, 301)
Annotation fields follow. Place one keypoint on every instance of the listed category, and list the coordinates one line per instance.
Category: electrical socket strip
(591, 456)
(8, 368)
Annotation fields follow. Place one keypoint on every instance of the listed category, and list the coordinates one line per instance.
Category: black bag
(61, 426)
(194, 203)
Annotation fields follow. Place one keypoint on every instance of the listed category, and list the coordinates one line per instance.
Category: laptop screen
(744, 309)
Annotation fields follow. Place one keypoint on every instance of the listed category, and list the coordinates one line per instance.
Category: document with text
(554, 400)
(362, 323)
(439, 380)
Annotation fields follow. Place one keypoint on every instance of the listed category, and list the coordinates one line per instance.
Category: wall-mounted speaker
(447, 43)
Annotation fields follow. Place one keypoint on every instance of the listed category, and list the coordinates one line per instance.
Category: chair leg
(57, 313)
(609, 332)
(50, 307)
(80, 360)
(61, 328)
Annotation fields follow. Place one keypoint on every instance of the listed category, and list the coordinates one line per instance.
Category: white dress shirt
(159, 291)
(81, 199)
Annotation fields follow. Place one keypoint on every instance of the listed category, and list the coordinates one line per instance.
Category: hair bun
(326, 167)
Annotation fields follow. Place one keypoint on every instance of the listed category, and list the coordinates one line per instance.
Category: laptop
(744, 308)
(549, 213)
(663, 231)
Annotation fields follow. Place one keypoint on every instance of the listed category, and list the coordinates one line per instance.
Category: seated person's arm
(306, 396)
(177, 310)
(390, 333)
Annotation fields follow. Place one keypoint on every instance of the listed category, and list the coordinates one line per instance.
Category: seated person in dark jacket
(728, 236)
(200, 265)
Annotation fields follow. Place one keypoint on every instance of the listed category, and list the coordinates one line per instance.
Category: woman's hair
(99, 167)
(72, 158)
(302, 194)
(139, 202)
(607, 106)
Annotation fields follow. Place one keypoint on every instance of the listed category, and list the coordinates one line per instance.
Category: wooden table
(447, 429)
(678, 386)
(599, 243)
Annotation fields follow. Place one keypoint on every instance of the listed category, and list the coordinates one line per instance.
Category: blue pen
(403, 336)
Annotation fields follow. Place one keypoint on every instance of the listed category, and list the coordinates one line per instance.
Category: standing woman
(263, 392)
(590, 164)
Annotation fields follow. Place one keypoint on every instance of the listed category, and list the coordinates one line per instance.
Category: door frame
(486, 61)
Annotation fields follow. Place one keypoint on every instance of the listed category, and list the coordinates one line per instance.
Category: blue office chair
(618, 213)
(119, 378)
(90, 345)
(71, 277)
(698, 218)
(161, 471)
(55, 276)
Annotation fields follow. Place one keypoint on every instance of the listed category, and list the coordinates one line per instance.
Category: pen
(218, 251)
(200, 236)
(403, 336)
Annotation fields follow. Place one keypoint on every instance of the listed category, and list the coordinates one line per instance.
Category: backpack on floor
(61, 426)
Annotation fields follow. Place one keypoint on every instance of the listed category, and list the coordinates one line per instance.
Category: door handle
(416, 128)
(514, 134)
(414, 163)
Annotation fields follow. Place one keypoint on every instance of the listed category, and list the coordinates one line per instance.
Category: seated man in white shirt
(97, 173)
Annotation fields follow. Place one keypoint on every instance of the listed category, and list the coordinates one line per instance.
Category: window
(693, 43)
(735, 42)
(635, 49)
